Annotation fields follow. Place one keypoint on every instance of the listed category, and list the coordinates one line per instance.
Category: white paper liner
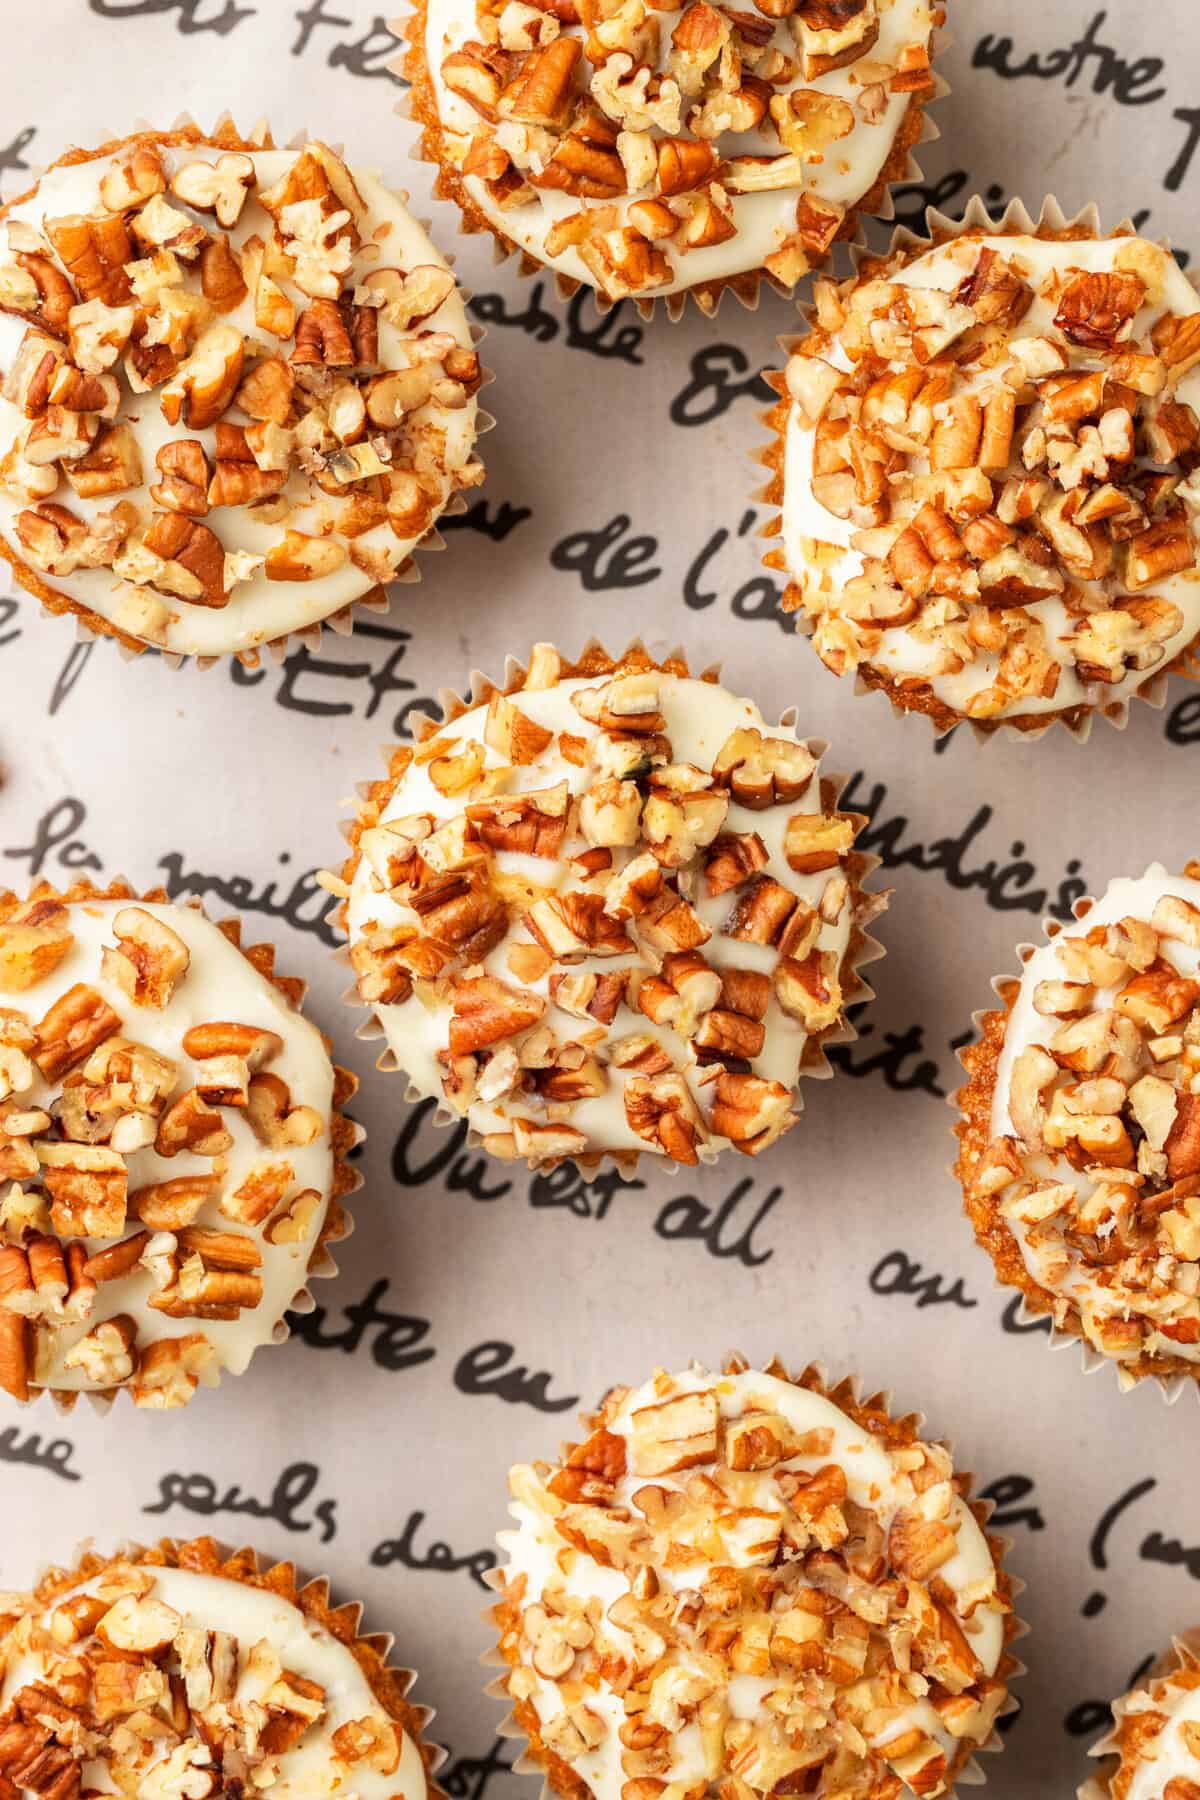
(939, 228)
(376, 601)
(1058, 1338)
(345, 1179)
(814, 1063)
(971, 1774)
(746, 285)
(318, 1589)
(1182, 1650)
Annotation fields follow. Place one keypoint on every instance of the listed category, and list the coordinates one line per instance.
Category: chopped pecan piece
(486, 1012)
(763, 771)
(533, 822)
(571, 926)
(33, 941)
(94, 252)
(751, 1111)
(1096, 309)
(148, 960)
(77, 1022)
(87, 1184)
(660, 1109)
(205, 384)
(183, 483)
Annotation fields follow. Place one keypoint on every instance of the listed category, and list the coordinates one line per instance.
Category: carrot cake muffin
(170, 1147)
(1080, 1129)
(608, 911)
(985, 464)
(754, 1583)
(649, 151)
(238, 389)
(178, 1671)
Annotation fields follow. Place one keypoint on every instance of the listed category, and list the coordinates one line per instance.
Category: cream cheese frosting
(364, 517)
(1094, 1160)
(255, 1670)
(665, 1000)
(714, 1562)
(190, 1222)
(954, 640)
(865, 99)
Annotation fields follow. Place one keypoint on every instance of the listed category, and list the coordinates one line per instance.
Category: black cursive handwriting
(75, 662)
(12, 157)
(718, 1227)
(1160, 1549)
(601, 560)
(565, 1187)
(1005, 885)
(479, 517)
(719, 375)
(756, 600)
(1174, 177)
(301, 665)
(601, 334)
(462, 1174)
(898, 1047)
(486, 1370)
(1006, 1492)
(1110, 73)
(1098, 1542)
(54, 1456)
(54, 834)
(438, 1556)
(398, 1342)
(468, 1777)
(897, 1273)
(1091, 1716)
(1183, 721)
(200, 1494)
(9, 608)
(304, 905)
(368, 55)
(1012, 1322)
(188, 13)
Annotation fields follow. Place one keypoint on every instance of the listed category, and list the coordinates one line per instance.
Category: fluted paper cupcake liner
(345, 1133)
(1015, 220)
(419, 106)
(375, 601)
(1182, 1653)
(846, 1393)
(979, 1059)
(389, 1682)
(595, 659)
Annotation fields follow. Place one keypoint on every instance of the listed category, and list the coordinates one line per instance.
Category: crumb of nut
(713, 900)
(1082, 1143)
(142, 1032)
(210, 284)
(973, 415)
(719, 1526)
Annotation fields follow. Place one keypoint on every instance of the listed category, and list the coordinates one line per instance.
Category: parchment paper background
(475, 1307)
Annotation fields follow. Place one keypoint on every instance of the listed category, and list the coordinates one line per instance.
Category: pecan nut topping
(1002, 456)
(758, 1565)
(585, 942)
(198, 352)
(179, 1672)
(156, 1165)
(1081, 1144)
(702, 142)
